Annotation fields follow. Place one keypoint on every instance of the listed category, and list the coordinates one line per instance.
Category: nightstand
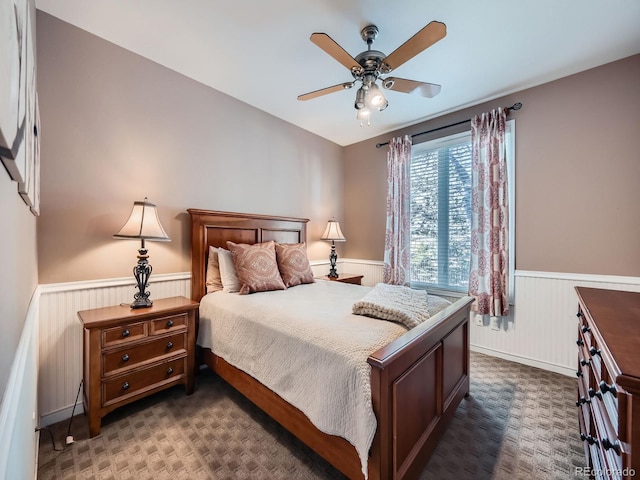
(346, 278)
(131, 353)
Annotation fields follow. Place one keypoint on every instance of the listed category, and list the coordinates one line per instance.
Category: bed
(416, 380)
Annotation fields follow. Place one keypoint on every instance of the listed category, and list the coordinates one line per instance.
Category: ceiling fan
(370, 65)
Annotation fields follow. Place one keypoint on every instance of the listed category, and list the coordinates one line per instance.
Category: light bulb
(362, 115)
(376, 97)
(360, 99)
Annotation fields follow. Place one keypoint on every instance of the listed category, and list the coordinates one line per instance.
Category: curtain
(489, 275)
(397, 261)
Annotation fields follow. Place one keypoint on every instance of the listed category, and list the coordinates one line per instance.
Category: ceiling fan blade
(413, 87)
(325, 91)
(422, 40)
(328, 44)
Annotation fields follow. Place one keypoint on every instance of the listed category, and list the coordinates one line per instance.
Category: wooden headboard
(211, 228)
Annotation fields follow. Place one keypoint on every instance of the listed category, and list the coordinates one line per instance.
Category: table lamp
(334, 234)
(143, 224)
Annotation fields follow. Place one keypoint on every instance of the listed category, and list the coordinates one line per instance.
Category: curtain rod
(515, 106)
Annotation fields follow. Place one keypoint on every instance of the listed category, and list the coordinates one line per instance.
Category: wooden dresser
(131, 353)
(609, 382)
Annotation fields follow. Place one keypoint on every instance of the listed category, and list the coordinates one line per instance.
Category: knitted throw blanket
(396, 303)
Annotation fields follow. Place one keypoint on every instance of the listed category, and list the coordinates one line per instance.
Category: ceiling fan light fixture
(376, 97)
(364, 114)
(360, 98)
(369, 66)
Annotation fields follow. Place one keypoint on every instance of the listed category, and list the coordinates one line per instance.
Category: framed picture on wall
(13, 85)
(30, 189)
(29, 149)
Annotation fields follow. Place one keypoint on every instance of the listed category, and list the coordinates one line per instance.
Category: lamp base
(142, 272)
(333, 256)
(142, 302)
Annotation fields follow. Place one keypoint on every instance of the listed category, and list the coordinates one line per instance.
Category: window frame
(455, 139)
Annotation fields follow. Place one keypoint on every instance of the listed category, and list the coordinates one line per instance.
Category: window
(441, 211)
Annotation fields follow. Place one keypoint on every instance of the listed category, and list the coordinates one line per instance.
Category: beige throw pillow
(214, 281)
(256, 267)
(230, 281)
(293, 264)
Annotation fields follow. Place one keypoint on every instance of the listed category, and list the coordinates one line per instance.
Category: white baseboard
(524, 360)
(61, 414)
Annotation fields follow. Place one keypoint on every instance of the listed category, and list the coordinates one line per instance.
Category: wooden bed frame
(417, 381)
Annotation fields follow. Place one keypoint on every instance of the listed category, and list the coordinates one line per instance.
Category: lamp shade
(333, 232)
(143, 223)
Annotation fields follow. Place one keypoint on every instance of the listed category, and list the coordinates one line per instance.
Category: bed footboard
(417, 383)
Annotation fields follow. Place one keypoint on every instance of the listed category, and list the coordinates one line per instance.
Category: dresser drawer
(608, 360)
(124, 334)
(128, 385)
(136, 354)
(169, 324)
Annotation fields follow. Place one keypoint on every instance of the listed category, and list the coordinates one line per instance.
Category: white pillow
(214, 282)
(230, 281)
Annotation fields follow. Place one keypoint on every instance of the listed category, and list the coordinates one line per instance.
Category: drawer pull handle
(584, 362)
(579, 314)
(125, 357)
(126, 333)
(169, 323)
(604, 388)
(615, 446)
(169, 371)
(593, 351)
(585, 329)
(125, 386)
(579, 373)
(579, 342)
(594, 393)
(170, 345)
(582, 401)
(588, 438)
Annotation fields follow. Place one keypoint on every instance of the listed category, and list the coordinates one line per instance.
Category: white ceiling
(259, 51)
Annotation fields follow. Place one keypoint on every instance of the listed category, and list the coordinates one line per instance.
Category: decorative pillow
(230, 281)
(214, 281)
(293, 264)
(256, 267)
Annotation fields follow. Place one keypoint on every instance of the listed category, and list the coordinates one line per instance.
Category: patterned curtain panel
(397, 266)
(489, 275)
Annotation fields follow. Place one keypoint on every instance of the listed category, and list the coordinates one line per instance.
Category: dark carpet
(518, 423)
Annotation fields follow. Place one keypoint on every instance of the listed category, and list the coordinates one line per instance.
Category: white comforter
(305, 345)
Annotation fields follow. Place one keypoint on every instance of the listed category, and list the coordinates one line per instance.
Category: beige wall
(117, 128)
(19, 271)
(577, 175)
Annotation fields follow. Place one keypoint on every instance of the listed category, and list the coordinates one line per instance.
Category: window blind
(441, 213)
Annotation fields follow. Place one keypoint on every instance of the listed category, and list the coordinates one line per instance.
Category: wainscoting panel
(542, 328)
(60, 366)
(373, 271)
(542, 333)
(18, 438)
(545, 326)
